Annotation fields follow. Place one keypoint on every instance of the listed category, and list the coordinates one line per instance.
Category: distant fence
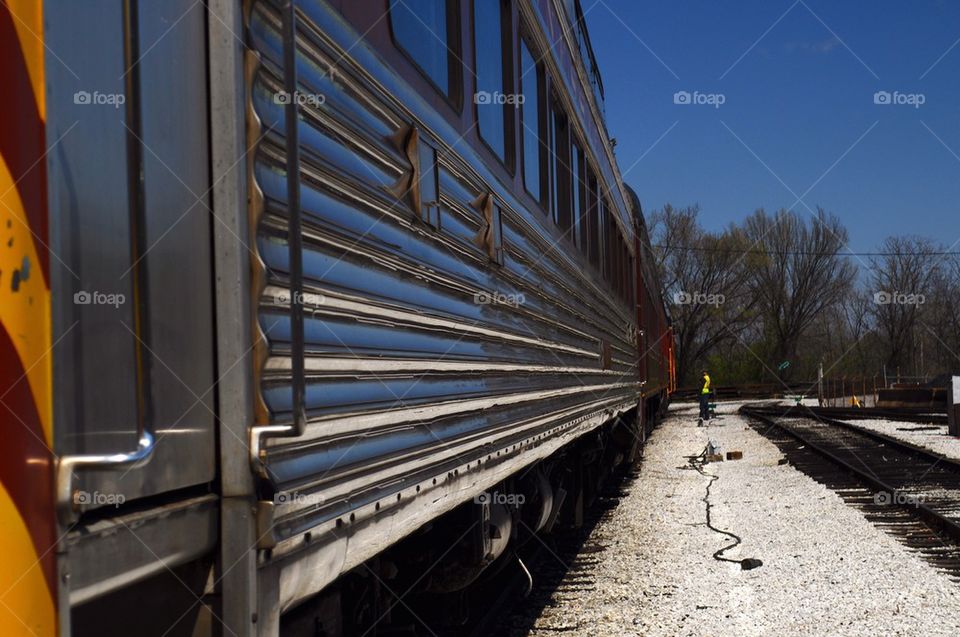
(860, 391)
(849, 392)
(747, 391)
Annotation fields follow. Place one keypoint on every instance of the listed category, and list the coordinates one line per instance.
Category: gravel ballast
(932, 437)
(826, 569)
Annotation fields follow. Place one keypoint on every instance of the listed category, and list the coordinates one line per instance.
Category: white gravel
(826, 570)
(936, 439)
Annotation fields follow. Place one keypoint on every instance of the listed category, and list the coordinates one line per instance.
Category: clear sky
(798, 120)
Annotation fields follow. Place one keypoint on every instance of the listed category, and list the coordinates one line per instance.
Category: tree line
(780, 295)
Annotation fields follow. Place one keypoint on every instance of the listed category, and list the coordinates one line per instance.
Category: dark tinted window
(530, 75)
(492, 49)
(577, 194)
(422, 29)
(560, 168)
(593, 220)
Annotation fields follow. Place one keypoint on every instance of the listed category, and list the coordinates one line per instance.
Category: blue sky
(799, 111)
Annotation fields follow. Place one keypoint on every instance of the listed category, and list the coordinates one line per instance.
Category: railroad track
(904, 414)
(910, 492)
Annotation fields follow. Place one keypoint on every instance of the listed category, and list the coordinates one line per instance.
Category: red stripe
(26, 463)
(22, 138)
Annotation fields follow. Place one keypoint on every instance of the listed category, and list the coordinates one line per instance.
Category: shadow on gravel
(563, 563)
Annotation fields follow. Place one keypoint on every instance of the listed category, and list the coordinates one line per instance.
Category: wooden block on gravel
(734, 455)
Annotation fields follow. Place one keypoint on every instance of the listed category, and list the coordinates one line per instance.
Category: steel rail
(927, 513)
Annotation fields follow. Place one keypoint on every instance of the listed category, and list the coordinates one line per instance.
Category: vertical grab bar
(294, 243)
(294, 236)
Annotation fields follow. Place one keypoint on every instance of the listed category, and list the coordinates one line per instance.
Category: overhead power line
(806, 253)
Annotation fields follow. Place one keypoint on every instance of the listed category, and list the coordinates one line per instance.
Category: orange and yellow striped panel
(27, 522)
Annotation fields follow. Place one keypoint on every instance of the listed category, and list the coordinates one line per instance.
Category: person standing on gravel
(705, 397)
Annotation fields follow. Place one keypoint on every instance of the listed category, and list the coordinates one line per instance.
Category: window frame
(508, 161)
(593, 250)
(578, 199)
(559, 165)
(454, 48)
(540, 80)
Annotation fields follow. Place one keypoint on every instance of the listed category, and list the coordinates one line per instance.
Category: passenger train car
(305, 307)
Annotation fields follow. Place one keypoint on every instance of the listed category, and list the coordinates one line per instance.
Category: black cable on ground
(747, 563)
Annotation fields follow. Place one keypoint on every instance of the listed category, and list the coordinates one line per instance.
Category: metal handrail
(66, 466)
(294, 243)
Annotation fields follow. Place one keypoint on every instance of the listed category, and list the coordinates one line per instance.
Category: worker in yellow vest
(705, 397)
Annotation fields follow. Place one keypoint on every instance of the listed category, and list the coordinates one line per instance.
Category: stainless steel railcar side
(339, 314)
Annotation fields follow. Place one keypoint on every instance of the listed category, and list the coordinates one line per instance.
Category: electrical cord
(748, 563)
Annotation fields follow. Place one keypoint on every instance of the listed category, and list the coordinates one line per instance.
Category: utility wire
(806, 253)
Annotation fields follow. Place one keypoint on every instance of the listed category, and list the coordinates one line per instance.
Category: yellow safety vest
(706, 384)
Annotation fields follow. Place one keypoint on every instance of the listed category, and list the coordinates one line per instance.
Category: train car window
(624, 270)
(531, 79)
(577, 195)
(593, 220)
(423, 29)
(492, 53)
(604, 238)
(560, 168)
(617, 260)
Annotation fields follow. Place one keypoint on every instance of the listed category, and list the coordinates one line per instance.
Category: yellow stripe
(26, 606)
(25, 314)
(28, 21)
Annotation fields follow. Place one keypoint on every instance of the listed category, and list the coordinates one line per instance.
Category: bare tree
(704, 277)
(798, 271)
(939, 320)
(902, 280)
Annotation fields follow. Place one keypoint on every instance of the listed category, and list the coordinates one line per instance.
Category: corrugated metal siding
(407, 375)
